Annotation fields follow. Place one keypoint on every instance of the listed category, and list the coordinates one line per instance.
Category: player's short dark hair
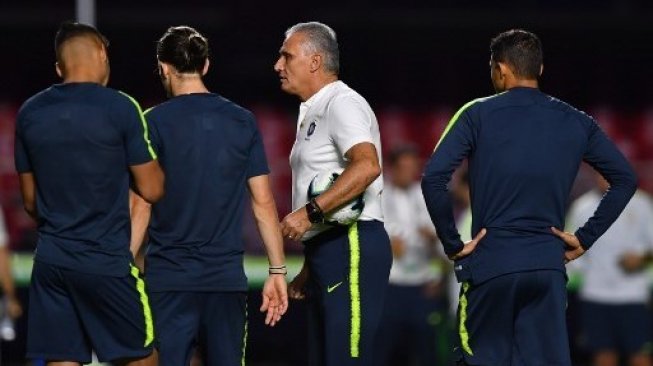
(520, 49)
(70, 29)
(402, 150)
(184, 48)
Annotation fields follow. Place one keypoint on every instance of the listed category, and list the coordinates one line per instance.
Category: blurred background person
(12, 308)
(407, 335)
(615, 289)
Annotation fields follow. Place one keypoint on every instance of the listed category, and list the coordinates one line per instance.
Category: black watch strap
(315, 214)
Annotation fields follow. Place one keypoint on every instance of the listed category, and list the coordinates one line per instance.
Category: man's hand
(275, 298)
(296, 287)
(469, 246)
(295, 224)
(573, 249)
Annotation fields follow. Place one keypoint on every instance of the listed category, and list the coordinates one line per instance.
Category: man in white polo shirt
(345, 274)
(615, 290)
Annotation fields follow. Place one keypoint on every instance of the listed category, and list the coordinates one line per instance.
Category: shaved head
(81, 54)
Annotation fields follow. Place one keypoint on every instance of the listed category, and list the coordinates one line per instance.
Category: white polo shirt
(330, 122)
(604, 280)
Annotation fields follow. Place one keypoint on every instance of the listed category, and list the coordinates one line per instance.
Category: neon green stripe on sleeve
(146, 135)
(454, 119)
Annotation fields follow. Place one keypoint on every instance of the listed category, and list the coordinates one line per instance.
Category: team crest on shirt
(311, 130)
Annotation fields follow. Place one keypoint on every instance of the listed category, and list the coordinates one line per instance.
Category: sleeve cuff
(451, 250)
(585, 242)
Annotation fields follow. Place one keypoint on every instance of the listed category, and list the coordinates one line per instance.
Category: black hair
(184, 48)
(520, 49)
(70, 29)
(400, 151)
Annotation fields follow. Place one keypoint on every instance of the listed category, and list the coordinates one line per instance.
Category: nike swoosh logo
(331, 288)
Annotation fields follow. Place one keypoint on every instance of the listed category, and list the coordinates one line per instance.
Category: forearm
(267, 222)
(140, 212)
(353, 181)
(611, 206)
(440, 207)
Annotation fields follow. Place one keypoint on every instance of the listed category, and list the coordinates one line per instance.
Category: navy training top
(79, 139)
(524, 149)
(208, 147)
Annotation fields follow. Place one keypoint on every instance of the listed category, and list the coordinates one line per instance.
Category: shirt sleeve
(258, 162)
(21, 157)
(604, 157)
(136, 132)
(155, 138)
(349, 124)
(456, 143)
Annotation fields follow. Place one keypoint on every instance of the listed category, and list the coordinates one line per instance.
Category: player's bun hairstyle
(520, 49)
(69, 29)
(184, 48)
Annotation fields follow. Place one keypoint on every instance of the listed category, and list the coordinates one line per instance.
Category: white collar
(315, 97)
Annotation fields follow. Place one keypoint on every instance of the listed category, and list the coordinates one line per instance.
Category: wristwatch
(315, 214)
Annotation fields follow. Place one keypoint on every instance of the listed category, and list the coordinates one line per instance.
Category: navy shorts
(72, 313)
(620, 328)
(514, 319)
(215, 322)
(349, 269)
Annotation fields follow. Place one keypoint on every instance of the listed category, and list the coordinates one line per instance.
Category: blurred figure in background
(12, 308)
(407, 328)
(615, 319)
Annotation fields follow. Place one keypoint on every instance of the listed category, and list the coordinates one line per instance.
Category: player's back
(528, 150)
(73, 138)
(205, 145)
(526, 153)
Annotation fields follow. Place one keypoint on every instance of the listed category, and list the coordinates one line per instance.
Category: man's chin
(285, 87)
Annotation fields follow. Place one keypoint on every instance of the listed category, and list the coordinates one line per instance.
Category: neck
(188, 84)
(522, 83)
(317, 85)
(82, 76)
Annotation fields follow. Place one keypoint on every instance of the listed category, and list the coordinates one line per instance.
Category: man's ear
(57, 67)
(164, 70)
(504, 70)
(103, 54)
(316, 62)
(206, 67)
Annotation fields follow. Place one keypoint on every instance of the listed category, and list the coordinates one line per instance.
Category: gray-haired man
(346, 269)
